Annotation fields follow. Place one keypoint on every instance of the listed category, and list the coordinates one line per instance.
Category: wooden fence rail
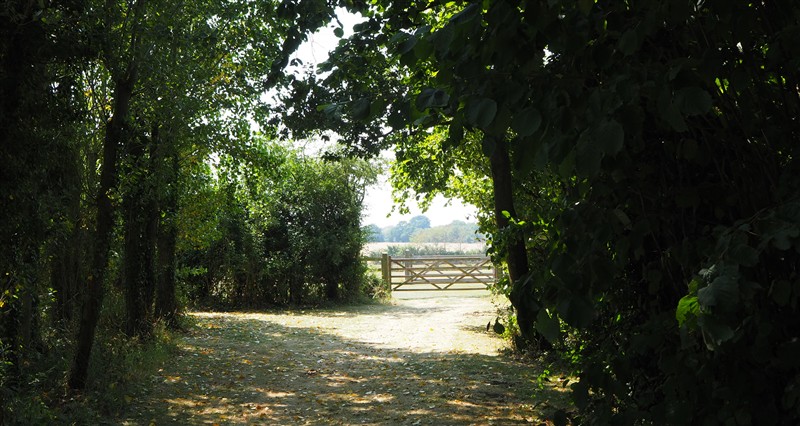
(426, 273)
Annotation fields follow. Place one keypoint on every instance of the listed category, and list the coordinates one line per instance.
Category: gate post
(407, 265)
(386, 270)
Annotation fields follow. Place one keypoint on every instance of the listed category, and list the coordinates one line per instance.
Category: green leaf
(610, 137)
(715, 333)
(693, 100)
(629, 42)
(406, 45)
(400, 115)
(455, 134)
(783, 235)
(527, 122)
(423, 49)
(622, 217)
(443, 39)
(480, 112)
(360, 109)
(548, 326)
(432, 98)
(688, 309)
(469, 13)
(338, 32)
(723, 292)
(332, 110)
(745, 255)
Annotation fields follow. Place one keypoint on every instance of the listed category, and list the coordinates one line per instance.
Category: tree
(456, 232)
(290, 229)
(419, 222)
(41, 129)
(124, 74)
(373, 233)
(231, 53)
(401, 233)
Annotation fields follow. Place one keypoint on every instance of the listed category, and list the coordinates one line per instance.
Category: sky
(378, 204)
(378, 200)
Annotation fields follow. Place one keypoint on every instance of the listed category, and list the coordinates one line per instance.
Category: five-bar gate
(426, 273)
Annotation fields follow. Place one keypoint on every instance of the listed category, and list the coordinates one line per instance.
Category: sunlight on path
(420, 361)
(430, 324)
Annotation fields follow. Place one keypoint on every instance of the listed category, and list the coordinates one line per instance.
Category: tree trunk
(166, 304)
(149, 241)
(65, 273)
(141, 231)
(132, 272)
(515, 253)
(90, 312)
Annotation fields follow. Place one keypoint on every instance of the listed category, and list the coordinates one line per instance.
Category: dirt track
(419, 361)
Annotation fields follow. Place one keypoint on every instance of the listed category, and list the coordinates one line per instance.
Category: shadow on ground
(251, 369)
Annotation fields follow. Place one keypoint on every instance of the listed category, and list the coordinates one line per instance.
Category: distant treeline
(418, 230)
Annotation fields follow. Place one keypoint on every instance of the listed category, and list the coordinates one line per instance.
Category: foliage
(421, 232)
(654, 145)
(373, 233)
(288, 231)
(456, 232)
(402, 232)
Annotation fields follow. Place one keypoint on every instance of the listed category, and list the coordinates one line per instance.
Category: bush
(288, 233)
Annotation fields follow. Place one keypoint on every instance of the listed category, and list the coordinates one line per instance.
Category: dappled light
(633, 168)
(375, 364)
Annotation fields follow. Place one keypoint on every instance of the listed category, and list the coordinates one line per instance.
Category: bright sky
(378, 204)
(378, 201)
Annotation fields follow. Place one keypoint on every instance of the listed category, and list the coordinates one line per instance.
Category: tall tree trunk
(149, 241)
(166, 304)
(132, 273)
(124, 83)
(137, 267)
(64, 270)
(65, 266)
(515, 253)
(90, 312)
(141, 230)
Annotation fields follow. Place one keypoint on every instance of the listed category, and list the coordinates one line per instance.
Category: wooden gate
(426, 273)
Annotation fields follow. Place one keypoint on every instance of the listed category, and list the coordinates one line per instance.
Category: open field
(467, 248)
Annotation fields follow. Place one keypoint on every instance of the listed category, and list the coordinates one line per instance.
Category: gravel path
(417, 361)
